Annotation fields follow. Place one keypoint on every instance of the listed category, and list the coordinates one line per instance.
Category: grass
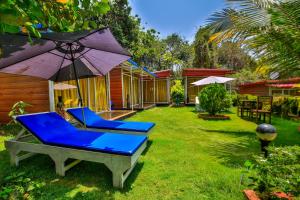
(187, 158)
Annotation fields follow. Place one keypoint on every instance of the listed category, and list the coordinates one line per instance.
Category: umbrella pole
(78, 86)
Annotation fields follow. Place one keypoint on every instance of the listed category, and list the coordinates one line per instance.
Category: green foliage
(147, 48)
(247, 75)
(279, 172)
(214, 99)
(269, 28)
(227, 54)
(283, 105)
(227, 102)
(17, 186)
(205, 51)
(231, 55)
(177, 52)
(177, 92)
(172, 52)
(125, 27)
(18, 109)
(234, 99)
(60, 15)
(10, 129)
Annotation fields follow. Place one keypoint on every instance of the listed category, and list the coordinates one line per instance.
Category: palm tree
(270, 28)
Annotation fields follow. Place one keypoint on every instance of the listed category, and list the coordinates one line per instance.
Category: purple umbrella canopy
(55, 55)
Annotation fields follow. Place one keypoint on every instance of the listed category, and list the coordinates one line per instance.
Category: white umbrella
(212, 79)
(63, 86)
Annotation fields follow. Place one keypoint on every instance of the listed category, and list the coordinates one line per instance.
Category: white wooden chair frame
(115, 131)
(120, 165)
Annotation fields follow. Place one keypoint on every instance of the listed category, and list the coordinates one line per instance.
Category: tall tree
(231, 55)
(124, 26)
(172, 52)
(148, 49)
(177, 53)
(205, 50)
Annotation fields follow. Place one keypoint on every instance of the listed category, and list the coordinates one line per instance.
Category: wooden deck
(117, 114)
(145, 106)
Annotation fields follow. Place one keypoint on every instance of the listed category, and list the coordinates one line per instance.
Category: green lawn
(187, 158)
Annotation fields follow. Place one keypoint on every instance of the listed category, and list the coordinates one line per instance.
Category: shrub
(177, 92)
(214, 99)
(234, 98)
(18, 109)
(283, 105)
(227, 102)
(279, 172)
(13, 128)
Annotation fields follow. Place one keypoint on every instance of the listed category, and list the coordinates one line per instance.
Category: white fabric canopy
(212, 79)
(63, 86)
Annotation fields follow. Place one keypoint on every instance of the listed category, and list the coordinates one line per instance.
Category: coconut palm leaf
(269, 28)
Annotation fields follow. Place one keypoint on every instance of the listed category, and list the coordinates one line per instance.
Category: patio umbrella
(212, 79)
(63, 86)
(62, 56)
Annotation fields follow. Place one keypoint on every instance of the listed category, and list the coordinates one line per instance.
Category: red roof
(204, 72)
(164, 73)
(284, 86)
(284, 81)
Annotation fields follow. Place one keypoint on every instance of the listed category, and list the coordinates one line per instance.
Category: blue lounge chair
(61, 141)
(94, 121)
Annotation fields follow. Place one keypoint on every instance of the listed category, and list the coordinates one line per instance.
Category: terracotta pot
(283, 195)
(251, 195)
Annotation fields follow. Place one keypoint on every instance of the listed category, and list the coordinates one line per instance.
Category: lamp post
(266, 134)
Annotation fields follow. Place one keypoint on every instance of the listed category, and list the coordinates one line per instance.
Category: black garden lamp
(266, 134)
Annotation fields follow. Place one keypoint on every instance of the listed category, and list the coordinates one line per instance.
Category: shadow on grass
(245, 144)
(235, 133)
(228, 112)
(149, 143)
(233, 153)
(95, 178)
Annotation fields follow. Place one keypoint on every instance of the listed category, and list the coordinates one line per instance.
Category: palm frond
(269, 28)
(265, 4)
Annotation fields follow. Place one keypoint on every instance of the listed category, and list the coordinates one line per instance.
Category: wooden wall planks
(14, 88)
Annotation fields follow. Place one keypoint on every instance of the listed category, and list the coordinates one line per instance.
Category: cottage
(134, 87)
(191, 75)
(272, 87)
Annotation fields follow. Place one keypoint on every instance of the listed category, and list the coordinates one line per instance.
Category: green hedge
(285, 105)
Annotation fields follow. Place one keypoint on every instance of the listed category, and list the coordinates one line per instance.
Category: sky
(175, 16)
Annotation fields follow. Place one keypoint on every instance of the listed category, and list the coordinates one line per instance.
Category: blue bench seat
(94, 121)
(51, 129)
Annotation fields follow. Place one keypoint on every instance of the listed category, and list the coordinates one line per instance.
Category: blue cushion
(52, 129)
(93, 120)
